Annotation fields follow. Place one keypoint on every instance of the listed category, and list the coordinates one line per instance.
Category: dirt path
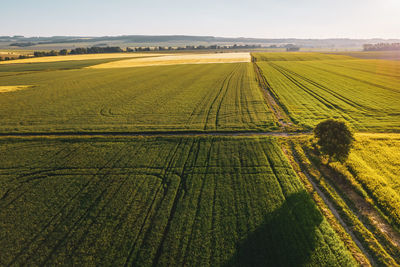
(282, 117)
(333, 210)
(364, 208)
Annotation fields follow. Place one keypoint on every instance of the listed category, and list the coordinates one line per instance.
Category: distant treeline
(117, 49)
(190, 47)
(79, 51)
(24, 44)
(96, 50)
(382, 47)
(292, 48)
(5, 58)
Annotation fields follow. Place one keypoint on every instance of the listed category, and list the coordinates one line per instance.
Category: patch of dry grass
(5, 89)
(177, 59)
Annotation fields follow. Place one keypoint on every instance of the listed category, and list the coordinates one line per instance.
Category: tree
(335, 139)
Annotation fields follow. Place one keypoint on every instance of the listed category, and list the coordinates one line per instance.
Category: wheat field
(79, 57)
(177, 59)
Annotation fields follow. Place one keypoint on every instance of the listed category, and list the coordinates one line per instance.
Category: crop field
(158, 201)
(200, 97)
(177, 59)
(173, 160)
(25, 68)
(77, 57)
(297, 56)
(363, 190)
(387, 55)
(363, 92)
(22, 69)
(375, 164)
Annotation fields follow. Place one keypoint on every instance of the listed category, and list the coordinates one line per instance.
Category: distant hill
(56, 42)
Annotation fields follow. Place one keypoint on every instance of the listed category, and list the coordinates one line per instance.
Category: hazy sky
(230, 18)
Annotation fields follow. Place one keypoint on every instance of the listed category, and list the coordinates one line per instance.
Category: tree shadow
(287, 237)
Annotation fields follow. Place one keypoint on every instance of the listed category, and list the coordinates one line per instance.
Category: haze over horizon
(256, 18)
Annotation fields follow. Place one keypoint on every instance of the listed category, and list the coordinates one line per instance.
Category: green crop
(164, 201)
(203, 97)
(364, 93)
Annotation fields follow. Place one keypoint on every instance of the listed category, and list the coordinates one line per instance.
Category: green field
(312, 88)
(176, 198)
(387, 55)
(375, 164)
(297, 56)
(362, 189)
(6, 69)
(177, 201)
(204, 97)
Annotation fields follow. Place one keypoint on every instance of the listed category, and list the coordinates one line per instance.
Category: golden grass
(5, 89)
(383, 136)
(375, 160)
(381, 154)
(177, 59)
(78, 57)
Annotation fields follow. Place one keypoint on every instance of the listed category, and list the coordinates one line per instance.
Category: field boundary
(154, 134)
(278, 109)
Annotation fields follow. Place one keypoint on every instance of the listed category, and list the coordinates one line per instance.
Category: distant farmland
(178, 59)
(77, 58)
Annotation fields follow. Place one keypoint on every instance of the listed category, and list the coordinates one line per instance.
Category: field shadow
(287, 237)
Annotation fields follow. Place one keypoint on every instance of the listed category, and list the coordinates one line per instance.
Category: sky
(224, 18)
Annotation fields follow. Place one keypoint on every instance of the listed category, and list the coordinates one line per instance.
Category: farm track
(333, 210)
(277, 108)
(364, 209)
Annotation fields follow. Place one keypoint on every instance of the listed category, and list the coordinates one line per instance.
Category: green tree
(335, 139)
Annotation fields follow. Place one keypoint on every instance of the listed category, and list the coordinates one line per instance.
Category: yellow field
(177, 59)
(375, 160)
(5, 89)
(15, 52)
(79, 57)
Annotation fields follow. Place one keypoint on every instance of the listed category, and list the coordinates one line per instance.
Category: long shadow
(287, 237)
